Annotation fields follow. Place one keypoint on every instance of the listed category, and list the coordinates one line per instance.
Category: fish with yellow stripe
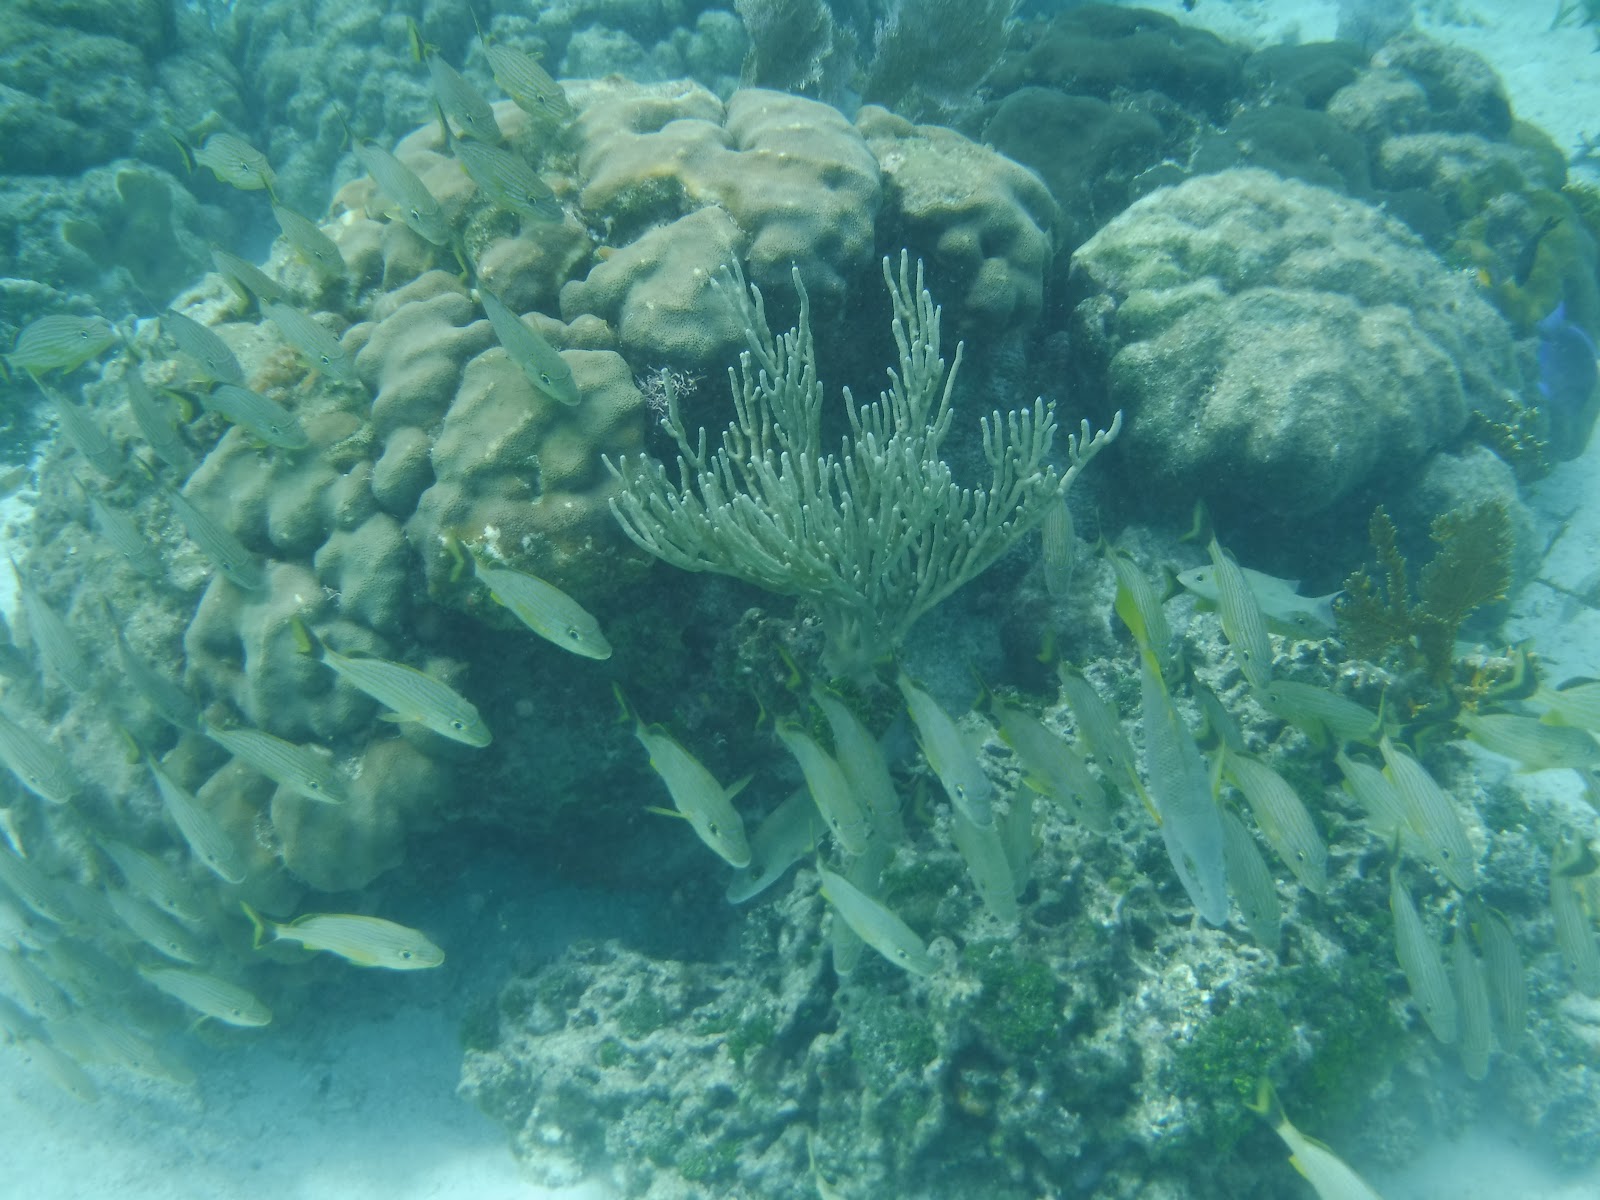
(361, 940)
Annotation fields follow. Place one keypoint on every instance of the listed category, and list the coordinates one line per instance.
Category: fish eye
(458, 725)
(543, 378)
(406, 954)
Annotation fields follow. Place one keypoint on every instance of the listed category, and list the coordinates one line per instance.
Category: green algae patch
(1019, 1009)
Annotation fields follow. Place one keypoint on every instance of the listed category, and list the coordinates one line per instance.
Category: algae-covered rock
(1277, 346)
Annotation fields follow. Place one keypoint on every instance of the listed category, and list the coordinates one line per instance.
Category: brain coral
(1277, 344)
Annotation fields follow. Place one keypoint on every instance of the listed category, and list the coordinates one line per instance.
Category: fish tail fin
(1266, 1104)
(133, 749)
(419, 48)
(185, 154)
(626, 714)
(304, 640)
(258, 924)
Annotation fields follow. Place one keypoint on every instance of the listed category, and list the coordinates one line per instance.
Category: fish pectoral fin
(395, 718)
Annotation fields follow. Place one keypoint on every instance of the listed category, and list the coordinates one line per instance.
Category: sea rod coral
(875, 536)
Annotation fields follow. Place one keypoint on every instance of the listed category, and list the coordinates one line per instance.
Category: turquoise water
(457, 744)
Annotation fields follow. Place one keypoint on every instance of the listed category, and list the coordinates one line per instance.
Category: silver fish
(37, 891)
(237, 564)
(168, 699)
(1422, 963)
(462, 102)
(831, 792)
(206, 837)
(410, 695)
(361, 940)
(300, 769)
(60, 342)
(209, 996)
(540, 361)
(124, 536)
(157, 423)
(1282, 818)
(787, 835)
(1508, 984)
(1100, 726)
(527, 83)
(202, 344)
(306, 236)
(1052, 767)
(1574, 933)
(264, 419)
(1242, 622)
(862, 761)
(509, 182)
(1057, 546)
(312, 339)
(246, 278)
(151, 878)
(154, 928)
(1180, 788)
(697, 795)
(1534, 744)
(417, 206)
(1324, 716)
(545, 609)
(949, 754)
(57, 644)
(1432, 817)
(1251, 883)
(876, 925)
(1286, 611)
(38, 766)
(235, 161)
(85, 433)
(1472, 1005)
(983, 850)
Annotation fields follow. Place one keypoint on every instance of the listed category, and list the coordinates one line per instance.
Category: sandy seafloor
(353, 1097)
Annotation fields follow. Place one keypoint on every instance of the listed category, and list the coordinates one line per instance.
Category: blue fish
(1567, 378)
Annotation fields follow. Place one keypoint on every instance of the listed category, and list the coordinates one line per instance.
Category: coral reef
(1267, 338)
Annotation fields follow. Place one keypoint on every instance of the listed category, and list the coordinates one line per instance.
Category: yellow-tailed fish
(38, 892)
(246, 279)
(157, 423)
(84, 432)
(1052, 767)
(864, 872)
(862, 761)
(208, 840)
(1576, 703)
(117, 1045)
(31, 987)
(1373, 791)
(306, 334)
(204, 346)
(1432, 818)
(209, 996)
(226, 552)
(1422, 962)
(62, 1070)
(1322, 715)
(265, 420)
(417, 206)
(1472, 1005)
(1502, 963)
(462, 102)
(1285, 610)
(411, 696)
(364, 941)
(1100, 726)
(60, 342)
(1242, 622)
(1057, 547)
(697, 795)
(119, 531)
(1535, 745)
(154, 928)
(876, 925)
(786, 835)
(1574, 932)
(38, 766)
(303, 770)
(52, 636)
(1251, 883)
(1180, 788)
(1329, 1176)
(831, 792)
(527, 83)
(1282, 818)
(949, 754)
(168, 699)
(1140, 608)
(508, 182)
(235, 161)
(152, 878)
(983, 850)
(308, 240)
(539, 360)
(545, 609)
(1016, 827)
